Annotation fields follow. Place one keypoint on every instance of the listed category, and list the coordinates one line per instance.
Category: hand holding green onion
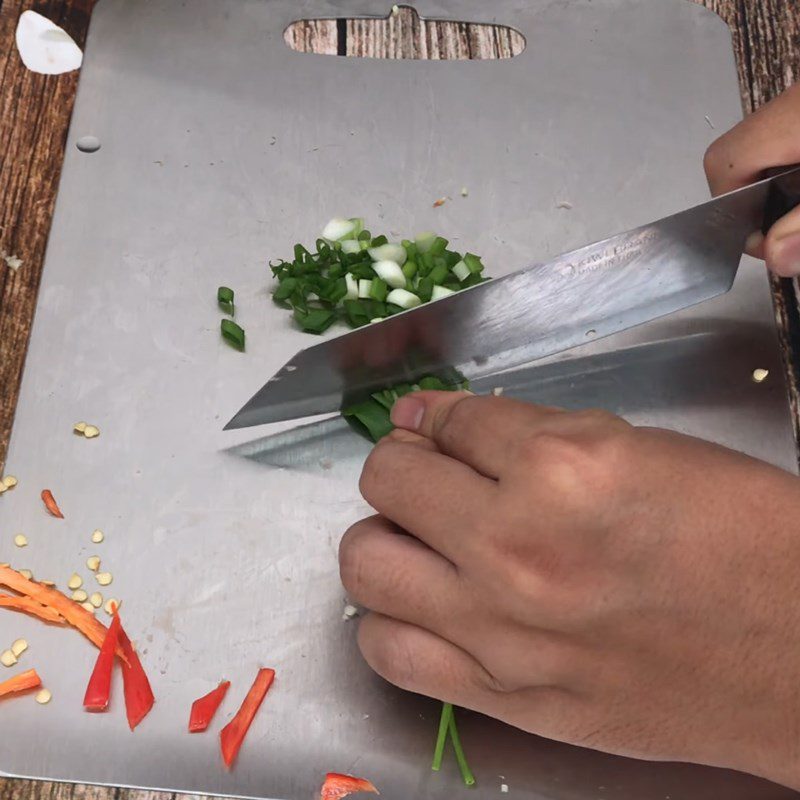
(629, 589)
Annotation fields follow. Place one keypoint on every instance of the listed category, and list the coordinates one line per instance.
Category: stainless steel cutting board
(220, 149)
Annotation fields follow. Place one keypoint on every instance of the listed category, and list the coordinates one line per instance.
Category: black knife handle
(783, 196)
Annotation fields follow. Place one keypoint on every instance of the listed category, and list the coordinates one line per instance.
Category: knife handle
(783, 195)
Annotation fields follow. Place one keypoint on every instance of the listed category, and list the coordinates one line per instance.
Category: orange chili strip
(337, 785)
(232, 735)
(50, 503)
(74, 614)
(28, 606)
(20, 683)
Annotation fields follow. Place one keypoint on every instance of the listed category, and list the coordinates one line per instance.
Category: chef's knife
(591, 292)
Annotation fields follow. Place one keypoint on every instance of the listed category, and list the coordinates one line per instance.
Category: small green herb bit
(232, 333)
(225, 299)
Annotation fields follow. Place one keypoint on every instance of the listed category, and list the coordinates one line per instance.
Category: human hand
(767, 138)
(627, 589)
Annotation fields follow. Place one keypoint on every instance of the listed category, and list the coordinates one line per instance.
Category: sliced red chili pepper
(20, 683)
(232, 735)
(98, 691)
(337, 785)
(50, 503)
(72, 612)
(28, 606)
(139, 697)
(204, 708)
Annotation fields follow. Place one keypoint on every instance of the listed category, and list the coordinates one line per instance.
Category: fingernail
(754, 241)
(407, 413)
(785, 256)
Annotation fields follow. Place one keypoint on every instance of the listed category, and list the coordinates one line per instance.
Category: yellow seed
(7, 658)
(48, 583)
(9, 481)
(80, 596)
(75, 582)
(104, 578)
(91, 431)
(79, 427)
(19, 647)
(43, 697)
(96, 599)
(20, 540)
(112, 604)
(26, 573)
(88, 606)
(98, 536)
(760, 375)
(93, 562)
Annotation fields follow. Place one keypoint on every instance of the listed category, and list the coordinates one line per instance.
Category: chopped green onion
(232, 333)
(391, 272)
(379, 289)
(424, 241)
(425, 289)
(462, 271)
(317, 320)
(410, 269)
(439, 272)
(352, 287)
(351, 246)
(225, 299)
(389, 252)
(338, 229)
(364, 288)
(441, 291)
(403, 298)
(371, 417)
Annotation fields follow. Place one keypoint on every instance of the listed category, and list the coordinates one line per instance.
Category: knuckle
(375, 471)
(351, 558)
(714, 158)
(457, 418)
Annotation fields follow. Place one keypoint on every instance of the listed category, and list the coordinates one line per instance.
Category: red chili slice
(337, 785)
(98, 691)
(232, 735)
(139, 697)
(23, 682)
(204, 708)
(50, 503)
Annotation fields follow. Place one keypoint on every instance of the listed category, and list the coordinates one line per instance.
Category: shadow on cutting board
(678, 383)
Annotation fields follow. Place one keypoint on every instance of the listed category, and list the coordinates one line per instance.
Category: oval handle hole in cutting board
(403, 34)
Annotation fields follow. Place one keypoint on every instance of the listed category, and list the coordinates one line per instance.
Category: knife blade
(596, 290)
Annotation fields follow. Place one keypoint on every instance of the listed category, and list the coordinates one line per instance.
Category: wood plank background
(34, 117)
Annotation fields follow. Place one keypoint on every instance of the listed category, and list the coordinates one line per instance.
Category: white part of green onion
(338, 229)
(351, 246)
(352, 287)
(424, 241)
(389, 252)
(390, 272)
(364, 288)
(403, 298)
(441, 291)
(377, 319)
(461, 271)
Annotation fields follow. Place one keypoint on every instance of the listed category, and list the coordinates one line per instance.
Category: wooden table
(34, 117)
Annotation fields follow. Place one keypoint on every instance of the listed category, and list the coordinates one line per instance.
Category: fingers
(420, 661)
(781, 249)
(767, 138)
(395, 574)
(479, 431)
(432, 496)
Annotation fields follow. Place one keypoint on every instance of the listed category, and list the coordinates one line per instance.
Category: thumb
(782, 246)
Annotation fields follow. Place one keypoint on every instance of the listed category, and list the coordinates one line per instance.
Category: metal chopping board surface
(220, 149)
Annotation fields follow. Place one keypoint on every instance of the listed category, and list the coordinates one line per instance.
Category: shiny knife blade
(603, 288)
